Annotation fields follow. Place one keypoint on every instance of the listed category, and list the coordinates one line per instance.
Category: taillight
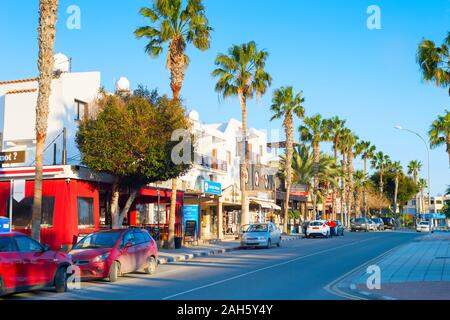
(324, 225)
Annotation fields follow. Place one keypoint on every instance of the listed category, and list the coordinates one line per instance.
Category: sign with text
(212, 187)
(190, 213)
(12, 157)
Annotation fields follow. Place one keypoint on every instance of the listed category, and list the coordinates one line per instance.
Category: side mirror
(129, 244)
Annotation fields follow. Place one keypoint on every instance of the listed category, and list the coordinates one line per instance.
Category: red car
(25, 265)
(108, 254)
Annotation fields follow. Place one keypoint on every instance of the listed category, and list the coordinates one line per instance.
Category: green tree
(422, 185)
(396, 169)
(48, 11)
(131, 139)
(241, 73)
(177, 26)
(434, 62)
(286, 105)
(367, 152)
(315, 130)
(414, 168)
(379, 162)
(439, 132)
(360, 183)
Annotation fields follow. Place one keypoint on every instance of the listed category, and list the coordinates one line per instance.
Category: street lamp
(398, 127)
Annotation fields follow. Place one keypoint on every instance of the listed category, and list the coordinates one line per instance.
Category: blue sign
(4, 225)
(190, 213)
(212, 187)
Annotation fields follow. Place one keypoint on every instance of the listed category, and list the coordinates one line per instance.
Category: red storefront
(75, 202)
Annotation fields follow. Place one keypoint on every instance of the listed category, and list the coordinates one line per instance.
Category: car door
(9, 264)
(127, 257)
(277, 233)
(38, 265)
(142, 247)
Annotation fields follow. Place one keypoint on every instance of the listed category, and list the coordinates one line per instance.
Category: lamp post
(398, 127)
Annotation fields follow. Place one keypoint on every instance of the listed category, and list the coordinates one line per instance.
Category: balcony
(209, 162)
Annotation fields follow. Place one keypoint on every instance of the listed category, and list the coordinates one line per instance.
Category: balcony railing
(210, 162)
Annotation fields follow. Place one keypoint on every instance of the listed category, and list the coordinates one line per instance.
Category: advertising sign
(212, 188)
(190, 213)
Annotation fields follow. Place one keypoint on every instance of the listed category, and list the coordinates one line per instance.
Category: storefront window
(22, 212)
(85, 211)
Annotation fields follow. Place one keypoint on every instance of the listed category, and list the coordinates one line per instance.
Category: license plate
(315, 228)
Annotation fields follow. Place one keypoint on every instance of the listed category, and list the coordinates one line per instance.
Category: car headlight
(101, 257)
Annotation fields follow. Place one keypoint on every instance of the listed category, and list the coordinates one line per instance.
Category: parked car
(25, 265)
(372, 226)
(109, 254)
(424, 226)
(389, 223)
(339, 228)
(379, 223)
(360, 224)
(260, 235)
(318, 228)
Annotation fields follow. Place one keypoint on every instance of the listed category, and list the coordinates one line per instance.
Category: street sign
(212, 188)
(12, 157)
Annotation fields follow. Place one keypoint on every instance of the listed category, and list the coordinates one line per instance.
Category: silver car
(260, 235)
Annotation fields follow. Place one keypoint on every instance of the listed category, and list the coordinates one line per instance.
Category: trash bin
(4, 224)
(178, 242)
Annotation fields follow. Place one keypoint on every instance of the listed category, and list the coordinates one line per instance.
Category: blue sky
(322, 47)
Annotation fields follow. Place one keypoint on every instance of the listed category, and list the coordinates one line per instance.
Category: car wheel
(151, 265)
(114, 272)
(61, 280)
(269, 244)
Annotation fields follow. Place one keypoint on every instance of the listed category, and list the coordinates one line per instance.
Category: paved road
(300, 269)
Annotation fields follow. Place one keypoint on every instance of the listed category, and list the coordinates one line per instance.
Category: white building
(70, 99)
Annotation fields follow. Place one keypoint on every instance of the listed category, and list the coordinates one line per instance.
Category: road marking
(332, 286)
(265, 268)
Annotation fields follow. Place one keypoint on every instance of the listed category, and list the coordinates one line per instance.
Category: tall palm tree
(315, 130)
(349, 140)
(336, 125)
(48, 11)
(379, 162)
(241, 73)
(176, 26)
(422, 184)
(343, 147)
(396, 168)
(367, 151)
(360, 182)
(435, 62)
(286, 105)
(352, 141)
(414, 168)
(440, 132)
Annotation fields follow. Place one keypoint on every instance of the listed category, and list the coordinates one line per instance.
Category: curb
(189, 256)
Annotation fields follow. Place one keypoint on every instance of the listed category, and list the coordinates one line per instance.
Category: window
(6, 245)
(82, 109)
(22, 212)
(85, 211)
(128, 238)
(139, 237)
(26, 244)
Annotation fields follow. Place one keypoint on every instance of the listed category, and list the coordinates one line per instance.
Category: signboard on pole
(212, 188)
(11, 157)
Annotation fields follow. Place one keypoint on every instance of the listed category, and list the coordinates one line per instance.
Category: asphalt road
(299, 270)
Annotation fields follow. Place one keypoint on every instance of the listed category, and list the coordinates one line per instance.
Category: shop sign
(212, 187)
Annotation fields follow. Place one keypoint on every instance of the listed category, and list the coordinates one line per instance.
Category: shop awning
(265, 204)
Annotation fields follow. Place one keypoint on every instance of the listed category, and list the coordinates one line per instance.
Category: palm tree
(343, 147)
(379, 162)
(352, 140)
(315, 130)
(349, 140)
(367, 151)
(440, 132)
(336, 125)
(422, 184)
(177, 26)
(360, 182)
(241, 73)
(435, 62)
(285, 105)
(414, 168)
(447, 192)
(48, 10)
(396, 168)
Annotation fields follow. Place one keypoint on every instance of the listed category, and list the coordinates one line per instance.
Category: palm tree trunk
(364, 195)
(176, 64)
(47, 31)
(244, 204)
(334, 188)
(344, 189)
(416, 207)
(316, 158)
(395, 196)
(350, 184)
(381, 180)
(288, 124)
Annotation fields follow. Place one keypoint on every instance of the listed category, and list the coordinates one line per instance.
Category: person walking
(332, 226)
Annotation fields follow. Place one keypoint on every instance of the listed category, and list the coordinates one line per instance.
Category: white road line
(265, 268)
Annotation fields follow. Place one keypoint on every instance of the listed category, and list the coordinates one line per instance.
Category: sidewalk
(217, 247)
(416, 271)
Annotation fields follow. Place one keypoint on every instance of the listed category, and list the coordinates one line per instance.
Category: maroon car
(108, 254)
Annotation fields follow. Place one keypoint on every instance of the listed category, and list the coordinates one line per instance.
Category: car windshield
(99, 240)
(423, 223)
(257, 228)
(360, 220)
(316, 223)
